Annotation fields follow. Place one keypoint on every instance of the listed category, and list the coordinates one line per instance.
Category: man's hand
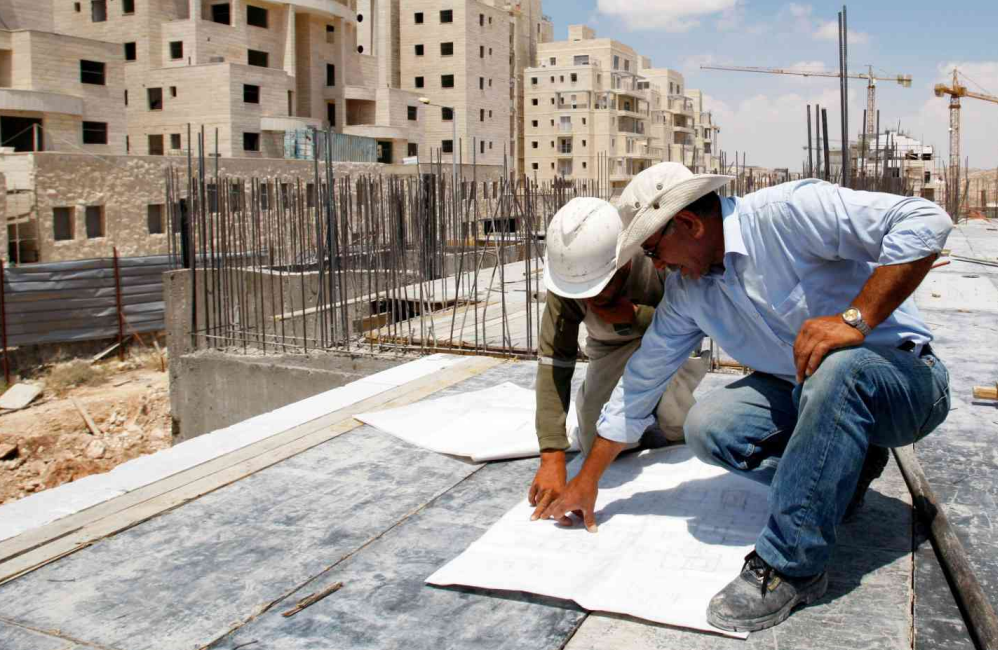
(619, 312)
(549, 482)
(579, 497)
(817, 338)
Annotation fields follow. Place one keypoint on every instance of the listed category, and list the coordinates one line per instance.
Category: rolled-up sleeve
(666, 345)
(835, 223)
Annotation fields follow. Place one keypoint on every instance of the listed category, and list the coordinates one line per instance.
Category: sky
(763, 114)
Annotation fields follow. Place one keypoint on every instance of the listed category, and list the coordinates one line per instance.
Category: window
(174, 141)
(490, 114)
(128, 6)
(490, 83)
(583, 143)
(482, 143)
(155, 98)
(481, 51)
(553, 61)
(535, 166)
(446, 49)
(154, 218)
(534, 143)
(574, 77)
(419, 82)
(448, 146)
(173, 91)
(627, 64)
(251, 94)
(331, 113)
(176, 49)
(584, 164)
(256, 16)
(95, 133)
(330, 74)
(616, 62)
(126, 97)
(330, 34)
(418, 17)
(130, 51)
(76, 5)
(419, 49)
(257, 58)
(62, 223)
(534, 101)
(221, 13)
(446, 114)
(447, 81)
(481, 20)
(481, 83)
(92, 72)
(447, 16)
(481, 115)
(251, 141)
(95, 221)
(413, 113)
(412, 149)
(156, 145)
(98, 10)
(583, 121)
(534, 124)
(533, 81)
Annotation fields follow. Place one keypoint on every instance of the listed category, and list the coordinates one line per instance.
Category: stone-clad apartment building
(595, 108)
(125, 78)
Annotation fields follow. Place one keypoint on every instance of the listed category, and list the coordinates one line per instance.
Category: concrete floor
(380, 516)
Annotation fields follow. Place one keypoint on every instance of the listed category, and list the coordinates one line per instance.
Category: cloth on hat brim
(653, 217)
(578, 290)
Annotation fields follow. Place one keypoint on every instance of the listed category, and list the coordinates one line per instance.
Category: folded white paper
(673, 531)
(492, 424)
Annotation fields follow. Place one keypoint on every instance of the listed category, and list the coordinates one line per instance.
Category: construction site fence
(82, 300)
(309, 144)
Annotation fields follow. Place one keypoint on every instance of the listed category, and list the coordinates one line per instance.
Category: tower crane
(955, 92)
(904, 80)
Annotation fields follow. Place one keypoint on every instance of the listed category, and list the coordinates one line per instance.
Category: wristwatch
(854, 318)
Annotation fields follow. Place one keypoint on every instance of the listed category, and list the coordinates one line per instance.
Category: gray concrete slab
(16, 637)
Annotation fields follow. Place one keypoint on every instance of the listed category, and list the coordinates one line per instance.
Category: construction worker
(589, 282)
(809, 284)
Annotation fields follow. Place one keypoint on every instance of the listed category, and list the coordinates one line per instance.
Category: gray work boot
(761, 597)
(873, 466)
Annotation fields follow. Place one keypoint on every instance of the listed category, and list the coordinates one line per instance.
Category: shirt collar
(733, 241)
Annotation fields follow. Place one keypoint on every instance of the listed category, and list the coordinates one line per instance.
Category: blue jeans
(808, 442)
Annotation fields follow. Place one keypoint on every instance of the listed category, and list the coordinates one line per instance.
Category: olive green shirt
(558, 348)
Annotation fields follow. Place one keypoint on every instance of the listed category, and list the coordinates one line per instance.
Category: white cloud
(667, 15)
(829, 31)
(799, 11)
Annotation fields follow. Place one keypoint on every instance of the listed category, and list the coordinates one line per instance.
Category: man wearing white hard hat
(589, 282)
(810, 285)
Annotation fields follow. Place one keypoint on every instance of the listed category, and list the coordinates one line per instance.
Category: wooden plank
(94, 429)
(35, 548)
(103, 353)
(984, 392)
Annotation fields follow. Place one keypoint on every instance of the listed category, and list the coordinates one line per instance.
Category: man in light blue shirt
(810, 285)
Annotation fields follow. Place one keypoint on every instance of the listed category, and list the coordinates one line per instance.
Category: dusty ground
(129, 402)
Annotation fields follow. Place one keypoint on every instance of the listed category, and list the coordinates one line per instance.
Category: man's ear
(691, 222)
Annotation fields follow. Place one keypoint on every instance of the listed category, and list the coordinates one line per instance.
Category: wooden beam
(984, 392)
(94, 429)
(35, 548)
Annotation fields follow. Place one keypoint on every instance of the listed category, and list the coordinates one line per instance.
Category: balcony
(35, 101)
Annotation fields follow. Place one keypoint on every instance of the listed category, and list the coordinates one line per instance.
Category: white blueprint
(673, 531)
(492, 424)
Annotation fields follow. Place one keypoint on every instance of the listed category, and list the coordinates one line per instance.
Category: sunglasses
(650, 251)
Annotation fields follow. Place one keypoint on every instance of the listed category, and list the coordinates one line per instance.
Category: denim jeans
(808, 441)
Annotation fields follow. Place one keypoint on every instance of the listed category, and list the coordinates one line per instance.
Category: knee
(704, 432)
(841, 369)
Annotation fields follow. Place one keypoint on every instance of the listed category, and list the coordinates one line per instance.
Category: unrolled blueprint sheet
(673, 531)
(492, 424)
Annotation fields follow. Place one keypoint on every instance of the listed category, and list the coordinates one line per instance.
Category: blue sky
(764, 114)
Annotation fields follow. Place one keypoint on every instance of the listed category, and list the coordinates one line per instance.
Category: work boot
(873, 466)
(762, 597)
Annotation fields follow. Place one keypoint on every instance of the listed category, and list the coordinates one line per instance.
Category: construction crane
(904, 80)
(955, 92)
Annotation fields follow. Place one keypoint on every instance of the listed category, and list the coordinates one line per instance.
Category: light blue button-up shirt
(791, 252)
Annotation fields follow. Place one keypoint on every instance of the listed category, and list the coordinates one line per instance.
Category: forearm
(888, 287)
(603, 453)
(553, 392)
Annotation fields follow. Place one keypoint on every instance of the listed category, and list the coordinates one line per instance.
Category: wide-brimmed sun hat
(655, 195)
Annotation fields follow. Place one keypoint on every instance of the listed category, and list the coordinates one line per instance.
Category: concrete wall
(211, 390)
(3, 219)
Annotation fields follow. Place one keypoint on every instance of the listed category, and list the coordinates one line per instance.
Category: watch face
(851, 315)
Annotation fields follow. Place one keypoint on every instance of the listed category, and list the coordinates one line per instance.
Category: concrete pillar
(289, 42)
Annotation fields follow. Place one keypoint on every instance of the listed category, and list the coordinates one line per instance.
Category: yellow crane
(904, 80)
(955, 92)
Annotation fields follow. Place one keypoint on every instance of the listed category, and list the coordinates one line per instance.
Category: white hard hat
(581, 255)
(656, 194)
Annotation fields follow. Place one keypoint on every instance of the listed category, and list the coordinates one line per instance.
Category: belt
(920, 350)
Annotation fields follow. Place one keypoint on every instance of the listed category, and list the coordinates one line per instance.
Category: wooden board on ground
(19, 396)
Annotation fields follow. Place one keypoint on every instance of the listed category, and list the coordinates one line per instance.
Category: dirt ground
(48, 443)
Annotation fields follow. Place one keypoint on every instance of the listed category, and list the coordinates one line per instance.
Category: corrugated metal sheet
(61, 302)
